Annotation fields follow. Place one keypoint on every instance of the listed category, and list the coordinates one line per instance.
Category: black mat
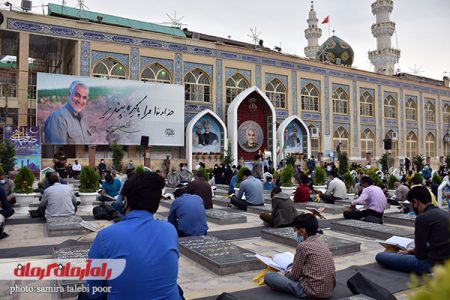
(235, 234)
(30, 220)
(35, 250)
(393, 281)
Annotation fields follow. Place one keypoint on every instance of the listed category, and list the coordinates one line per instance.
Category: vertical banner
(26, 141)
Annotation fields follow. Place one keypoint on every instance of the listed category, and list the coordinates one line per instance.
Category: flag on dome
(326, 20)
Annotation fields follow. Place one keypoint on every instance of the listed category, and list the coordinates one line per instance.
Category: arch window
(430, 145)
(411, 110)
(446, 116)
(367, 143)
(197, 86)
(341, 136)
(367, 105)
(429, 112)
(447, 144)
(315, 140)
(390, 107)
(109, 68)
(310, 98)
(276, 92)
(234, 86)
(411, 145)
(340, 101)
(156, 73)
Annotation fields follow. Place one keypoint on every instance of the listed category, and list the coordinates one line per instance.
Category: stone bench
(224, 217)
(399, 219)
(286, 236)
(61, 226)
(219, 256)
(372, 230)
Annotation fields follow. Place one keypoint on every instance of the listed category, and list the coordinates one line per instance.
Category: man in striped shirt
(313, 273)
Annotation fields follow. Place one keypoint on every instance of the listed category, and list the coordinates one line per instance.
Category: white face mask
(2, 181)
(184, 168)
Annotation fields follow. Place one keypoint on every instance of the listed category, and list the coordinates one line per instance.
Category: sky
(422, 26)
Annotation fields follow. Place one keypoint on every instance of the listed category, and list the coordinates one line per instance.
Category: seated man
(302, 193)
(76, 169)
(416, 181)
(149, 246)
(185, 175)
(232, 184)
(313, 273)
(401, 192)
(8, 186)
(431, 237)
(372, 197)
(58, 199)
(283, 210)
(268, 184)
(173, 179)
(252, 189)
(6, 211)
(201, 187)
(336, 189)
(110, 188)
(187, 214)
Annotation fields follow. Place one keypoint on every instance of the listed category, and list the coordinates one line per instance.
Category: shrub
(384, 162)
(343, 163)
(7, 156)
(239, 176)
(290, 160)
(436, 287)
(89, 180)
(392, 179)
(419, 159)
(24, 181)
(227, 160)
(436, 178)
(419, 176)
(286, 176)
(139, 169)
(320, 176)
(348, 180)
(205, 173)
(375, 178)
(117, 156)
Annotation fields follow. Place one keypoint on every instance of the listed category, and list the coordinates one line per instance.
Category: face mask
(183, 168)
(2, 181)
(299, 239)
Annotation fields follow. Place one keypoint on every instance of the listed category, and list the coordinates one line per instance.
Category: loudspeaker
(144, 141)
(387, 144)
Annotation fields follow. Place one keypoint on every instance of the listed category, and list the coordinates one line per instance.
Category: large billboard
(89, 110)
(26, 141)
(206, 135)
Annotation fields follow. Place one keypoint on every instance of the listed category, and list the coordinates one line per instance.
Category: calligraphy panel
(90, 110)
(27, 143)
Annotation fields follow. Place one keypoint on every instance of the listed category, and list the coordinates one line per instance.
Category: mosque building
(252, 97)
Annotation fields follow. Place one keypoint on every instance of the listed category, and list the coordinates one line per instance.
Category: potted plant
(348, 180)
(319, 178)
(286, 180)
(23, 190)
(89, 180)
(391, 180)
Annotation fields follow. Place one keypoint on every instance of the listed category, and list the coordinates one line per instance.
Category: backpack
(358, 284)
(106, 212)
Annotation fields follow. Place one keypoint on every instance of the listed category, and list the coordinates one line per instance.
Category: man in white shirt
(336, 189)
(58, 199)
(76, 169)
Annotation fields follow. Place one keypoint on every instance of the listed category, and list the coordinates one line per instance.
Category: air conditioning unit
(26, 5)
(314, 132)
(394, 136)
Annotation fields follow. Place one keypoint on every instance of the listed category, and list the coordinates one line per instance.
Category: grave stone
(223, 217)
(329, 208)
(166, 203)
(286, 236)
(400, 219)
(372, 230)
(219, 256)
(71, 252)
(259, 209)
(60, 226)
(221, 201)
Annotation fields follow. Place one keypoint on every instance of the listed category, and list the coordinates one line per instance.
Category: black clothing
(432, 235)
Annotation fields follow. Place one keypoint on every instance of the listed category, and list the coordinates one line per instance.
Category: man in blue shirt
(110, 188)
(252, 189)
(187, 214)
(149, 246)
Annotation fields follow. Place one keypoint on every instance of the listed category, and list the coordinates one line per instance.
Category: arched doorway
(293, 137)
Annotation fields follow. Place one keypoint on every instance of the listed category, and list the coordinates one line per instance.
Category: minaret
(385, 57)
(312, 34)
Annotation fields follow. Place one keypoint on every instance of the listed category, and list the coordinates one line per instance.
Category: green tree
(436, 178)
(392, 179)
(205, 173)
(290, 160)
(7, 156)
(117, 156)
(227, 160)
(239, 176)
(320, 176)
(89, 180)
(418, 160)
(343, 163)
(286, 176)
(384, 162)
(348, 180)
(24, 181)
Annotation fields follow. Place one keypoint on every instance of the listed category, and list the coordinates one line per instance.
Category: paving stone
(60, 226)
(329, 208)
(219, 256)
(223, 217)
(372, 230)
(399, 219)
(71, 252)
(286, 236)
(166, 203)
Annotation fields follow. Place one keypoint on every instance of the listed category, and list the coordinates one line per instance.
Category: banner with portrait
(27, 143)
(250, 136)
(293, 138)
(89, 110)
(206, 135)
